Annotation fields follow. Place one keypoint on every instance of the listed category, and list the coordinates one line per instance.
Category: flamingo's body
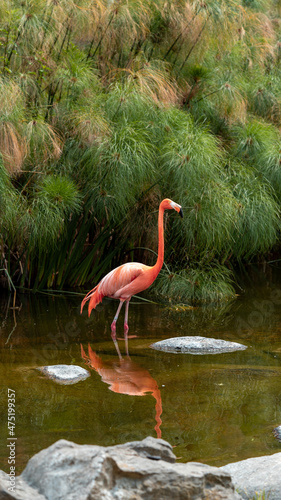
(130, 278)
(121, 283)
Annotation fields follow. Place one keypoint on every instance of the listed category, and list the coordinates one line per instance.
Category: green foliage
(61, 193)
(8, 203)
(259, 144)
(192, 160)
(204, 283)
(108, 107)
(258, 222)
(114, 170)
(56, 199)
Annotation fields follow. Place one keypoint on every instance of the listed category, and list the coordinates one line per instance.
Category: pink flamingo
(130, 278)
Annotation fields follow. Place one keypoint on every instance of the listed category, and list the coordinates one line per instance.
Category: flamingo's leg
(113, 329)
(113, 324)
(126, 326)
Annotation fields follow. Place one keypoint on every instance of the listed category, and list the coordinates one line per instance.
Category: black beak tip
(181, 212)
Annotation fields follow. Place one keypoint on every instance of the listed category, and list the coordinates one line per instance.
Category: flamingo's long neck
(160, 259)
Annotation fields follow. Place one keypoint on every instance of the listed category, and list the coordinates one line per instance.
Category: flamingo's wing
(121, 277)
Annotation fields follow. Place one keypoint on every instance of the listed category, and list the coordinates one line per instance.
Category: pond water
(214, 409)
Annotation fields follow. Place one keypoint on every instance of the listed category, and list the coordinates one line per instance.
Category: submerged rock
(137, 470)
(197, 345)
(257, 476)
(277, 432)
(65, 374)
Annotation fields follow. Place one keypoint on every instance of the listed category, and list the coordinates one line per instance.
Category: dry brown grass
(151, 80)
(13, 148)
(43, 142)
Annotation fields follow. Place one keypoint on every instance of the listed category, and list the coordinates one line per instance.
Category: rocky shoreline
(138, 470)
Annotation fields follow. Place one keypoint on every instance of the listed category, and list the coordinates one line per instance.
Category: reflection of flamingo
(126, 377)
(130, 278)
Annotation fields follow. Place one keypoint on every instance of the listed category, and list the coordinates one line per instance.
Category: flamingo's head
(169, 204)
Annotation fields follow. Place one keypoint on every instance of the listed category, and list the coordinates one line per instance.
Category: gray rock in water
(277, 432)
(197, 345)
(132, 471)
(65, 374)
(259, 475)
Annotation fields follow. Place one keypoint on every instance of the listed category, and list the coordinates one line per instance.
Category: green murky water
(213, 408)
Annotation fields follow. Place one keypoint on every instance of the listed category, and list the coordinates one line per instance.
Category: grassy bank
(108, 107)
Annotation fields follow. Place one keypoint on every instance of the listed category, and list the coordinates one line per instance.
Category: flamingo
(130, 278)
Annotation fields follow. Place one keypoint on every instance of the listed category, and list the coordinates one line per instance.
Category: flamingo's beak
(181, 212)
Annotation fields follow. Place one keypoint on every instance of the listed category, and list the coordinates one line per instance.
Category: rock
(154, 449)
(22, 491)
(197, 345)
(65, 374)
(132, 471)
(277, 432)
(259, 475)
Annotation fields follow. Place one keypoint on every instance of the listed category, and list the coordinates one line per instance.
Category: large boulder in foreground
(132, 471)
(259, 475)
(197, 345)
(22, 491)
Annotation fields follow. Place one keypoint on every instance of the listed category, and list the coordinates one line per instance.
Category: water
(214, 409)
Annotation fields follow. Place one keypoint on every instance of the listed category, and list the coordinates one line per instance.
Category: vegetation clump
(108, 107)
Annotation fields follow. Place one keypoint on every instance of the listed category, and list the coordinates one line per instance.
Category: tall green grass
(108, 107)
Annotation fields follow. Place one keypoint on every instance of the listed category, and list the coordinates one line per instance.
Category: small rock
(197, 345)
(257, 476)
(65, 374)
(277, 432)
